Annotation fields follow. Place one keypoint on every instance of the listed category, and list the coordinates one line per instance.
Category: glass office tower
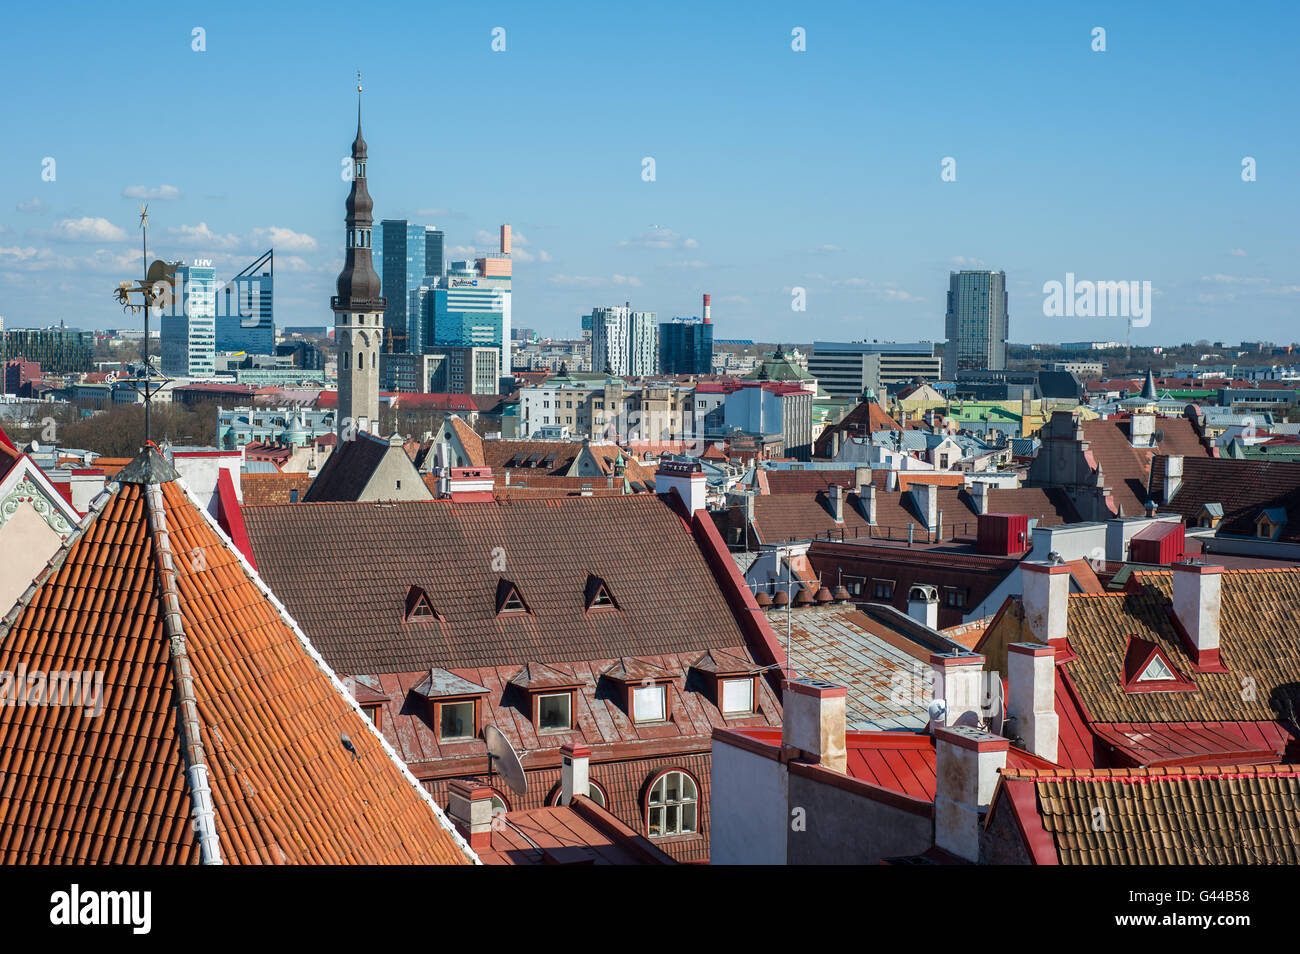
(409, 256)
(976, 322)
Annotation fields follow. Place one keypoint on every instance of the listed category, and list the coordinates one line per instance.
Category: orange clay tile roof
(1190, 816)
(469, 439)
(1260, 616)
(1127, 469)
(260, 489)
(1243, 488)
(246, 695)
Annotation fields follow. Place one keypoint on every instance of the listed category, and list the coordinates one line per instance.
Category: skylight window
(1156, 671)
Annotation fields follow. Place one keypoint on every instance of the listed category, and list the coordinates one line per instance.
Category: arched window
(361, 361)
(346, 355)
(594, 792)
(374, 360)
(672, 805)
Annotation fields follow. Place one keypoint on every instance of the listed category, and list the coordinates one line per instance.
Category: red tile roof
(1244, 488)
(261, 489)
(1223, 815)
(1126, 468)
(268, 715)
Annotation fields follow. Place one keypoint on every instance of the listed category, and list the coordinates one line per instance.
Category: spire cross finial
(358, 81)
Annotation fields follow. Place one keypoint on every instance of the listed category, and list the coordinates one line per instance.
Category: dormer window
(598, 595)
(455, 705)
(550, 696)
(644, 689)
(418, 606)
(1147, 668)
(650, 703)
(733, 678)
(737, 696)
(508, 598)
(1269, 523)
(555, 711)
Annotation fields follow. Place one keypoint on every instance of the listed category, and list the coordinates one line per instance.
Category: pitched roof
(1259, 617)
(1126, 468)
(548, 548)
(260, 489)
(1244, 488)
(580, 833)
(201, 667)
(469, 439)
(1184, 816)
(348, 469)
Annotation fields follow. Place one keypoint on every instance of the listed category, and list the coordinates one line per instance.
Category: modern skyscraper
(624, 341)
(358, 307)
(188, 326)
(409, 256)
(245, 320)
(976, 323)
(471, 305)
(685, 346)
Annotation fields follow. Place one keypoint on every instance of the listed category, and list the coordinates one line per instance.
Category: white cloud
(151, 192)
(691, 263)
(202, 236)
(895, 294)
(283, 238)
(660, 238)
(962, 261)
(16, 254)
(820, 249)
(32, 206)
(86, 229)
(1222, 279)
(543, 255)
(1237, 252)
(737, 299)
(591, 281)
(853, 283)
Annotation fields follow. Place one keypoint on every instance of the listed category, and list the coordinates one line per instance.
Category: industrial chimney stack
(708, 318)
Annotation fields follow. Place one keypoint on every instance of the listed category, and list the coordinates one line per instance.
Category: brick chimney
(1031, 697)
(966, 773)
(469, 806)
(1196, 604)
(575, 772)
(1045, 595)
(836, 497)
(959, 682)
(815, 719)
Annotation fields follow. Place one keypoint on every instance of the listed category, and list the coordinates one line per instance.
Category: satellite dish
(503, 760)
(35, 445)
(994, 702)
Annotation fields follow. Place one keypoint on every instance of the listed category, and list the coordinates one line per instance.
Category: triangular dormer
(509, 599)
(1148, 668)
(419, 607)
(597, 595)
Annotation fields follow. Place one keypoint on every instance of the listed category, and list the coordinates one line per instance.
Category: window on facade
(456, 721)
(737, 696)
(555, 710)
(372, 713)
(954, 596)
(673, 806)
(649, 703)
(882, 589)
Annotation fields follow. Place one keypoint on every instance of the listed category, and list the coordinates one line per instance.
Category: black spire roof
(358, 284)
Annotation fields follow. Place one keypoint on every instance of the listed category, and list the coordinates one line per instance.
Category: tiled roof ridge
(202, 809)
(1227, 571)
(329, 673)
(1144, 774)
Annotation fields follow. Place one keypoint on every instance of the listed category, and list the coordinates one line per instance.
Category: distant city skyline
(774, 170)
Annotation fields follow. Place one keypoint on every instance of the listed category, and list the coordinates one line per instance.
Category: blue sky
(774, 168)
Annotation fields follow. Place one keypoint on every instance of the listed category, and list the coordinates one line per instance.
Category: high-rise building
(245, 319)
(409, 256)
(57, 350)
(686, 345)
(188, 326)
(358, 307)
(976, 322)
(471, 306)
(624, 342)
(847, 368)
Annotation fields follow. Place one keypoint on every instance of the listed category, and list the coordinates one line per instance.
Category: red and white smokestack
(708, 318)
(505, 240)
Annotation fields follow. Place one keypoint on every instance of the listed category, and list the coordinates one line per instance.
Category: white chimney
(687, 479)
(1173, 476)
(967, 762)
(1197, 602)
(469, 807)
(575, 772)
(979, 495)
(926, 498)
(1045, 596)
(815, 720)
(836, 496)
(959, 682)
(891, 480)
(867, 500)
(1031, 697)
(923, 604)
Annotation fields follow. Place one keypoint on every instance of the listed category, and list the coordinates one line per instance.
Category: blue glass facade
(685, 347)
(409, 256)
